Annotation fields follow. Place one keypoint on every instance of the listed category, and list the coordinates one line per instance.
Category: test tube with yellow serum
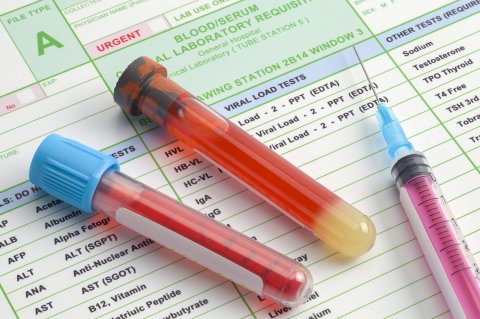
(144, 88)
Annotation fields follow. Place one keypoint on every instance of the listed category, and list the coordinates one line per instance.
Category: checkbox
(26, 96)
(158, 24)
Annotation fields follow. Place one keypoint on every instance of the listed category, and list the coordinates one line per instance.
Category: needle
(366, 74)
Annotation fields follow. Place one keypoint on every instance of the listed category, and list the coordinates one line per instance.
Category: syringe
(432, 221)
(90, 180)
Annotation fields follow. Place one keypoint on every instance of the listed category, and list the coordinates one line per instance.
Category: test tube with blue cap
(91, 181)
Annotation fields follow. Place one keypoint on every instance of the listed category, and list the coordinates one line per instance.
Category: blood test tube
(90, 180)
(144, 88)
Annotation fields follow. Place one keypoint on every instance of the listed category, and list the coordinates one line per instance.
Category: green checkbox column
(44, 39)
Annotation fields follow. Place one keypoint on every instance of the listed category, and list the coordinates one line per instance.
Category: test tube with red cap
(144, 88)
(91, 181)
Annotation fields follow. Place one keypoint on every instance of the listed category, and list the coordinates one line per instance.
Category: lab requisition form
(285, 72)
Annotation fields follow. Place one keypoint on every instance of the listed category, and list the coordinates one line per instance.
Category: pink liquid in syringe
(431, 208)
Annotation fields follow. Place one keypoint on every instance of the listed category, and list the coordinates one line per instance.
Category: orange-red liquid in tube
(144, 88)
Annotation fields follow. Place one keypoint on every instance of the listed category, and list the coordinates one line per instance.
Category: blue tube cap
(69, 170)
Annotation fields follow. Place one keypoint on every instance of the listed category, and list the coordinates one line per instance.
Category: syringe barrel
(204, 240)
(441, 241)
(144, 88)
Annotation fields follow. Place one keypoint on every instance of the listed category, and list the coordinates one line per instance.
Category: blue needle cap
(393, 133)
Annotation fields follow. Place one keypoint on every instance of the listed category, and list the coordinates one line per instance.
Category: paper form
(285, 72)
